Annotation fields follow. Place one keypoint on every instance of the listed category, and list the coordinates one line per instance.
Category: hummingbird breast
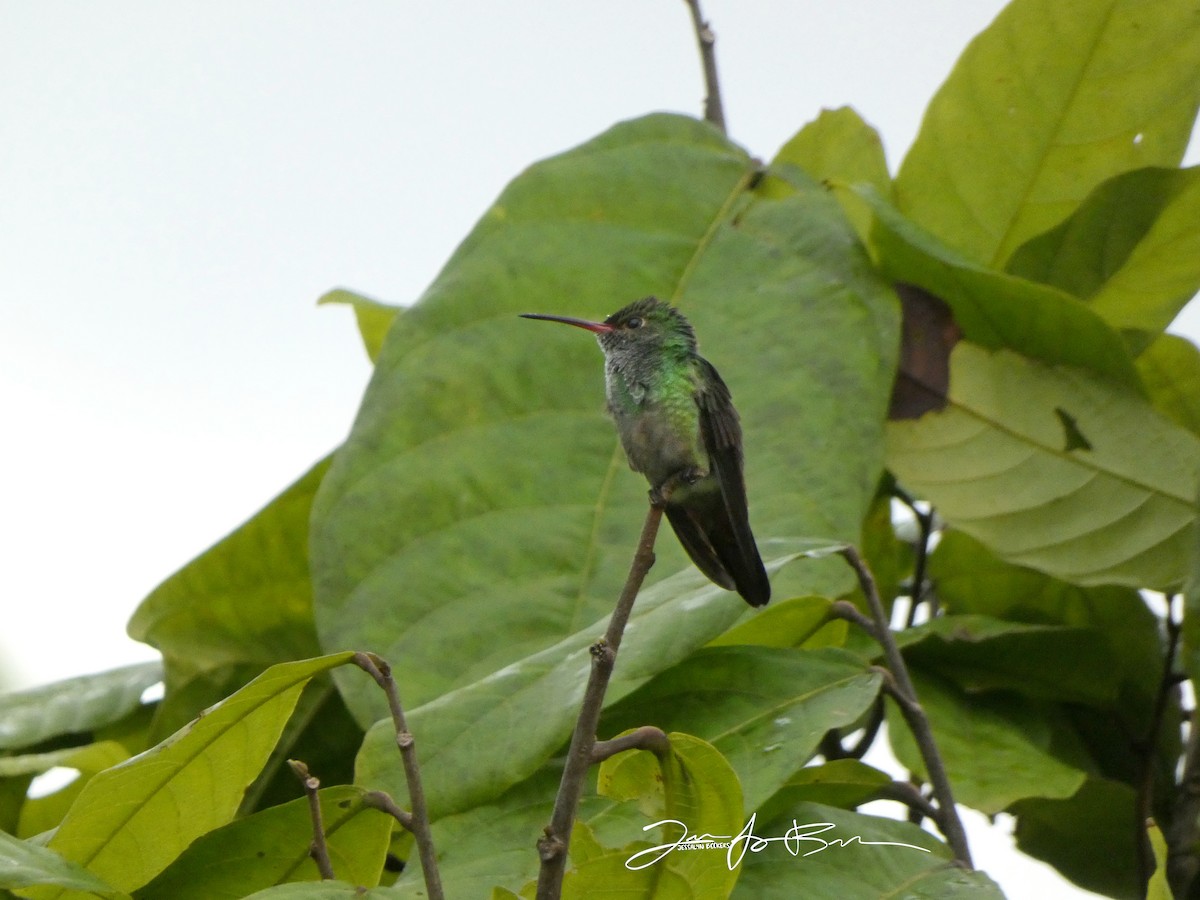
(658, 423)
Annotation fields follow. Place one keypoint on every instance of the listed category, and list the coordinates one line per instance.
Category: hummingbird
(678, 427)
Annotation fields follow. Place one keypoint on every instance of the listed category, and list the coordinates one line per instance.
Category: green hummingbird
(677, 424)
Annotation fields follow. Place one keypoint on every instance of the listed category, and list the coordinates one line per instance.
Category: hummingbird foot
(660, 496)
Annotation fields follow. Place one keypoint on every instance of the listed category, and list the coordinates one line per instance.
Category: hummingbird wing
(733, 541)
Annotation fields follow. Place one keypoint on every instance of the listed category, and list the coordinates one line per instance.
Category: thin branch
(318, 849)
(552, 846)
(382, 801)
(831, 743)
(921, 563)
(903, 792)
(900, 685)
(714, 111)
(645, 738)
(378, 669)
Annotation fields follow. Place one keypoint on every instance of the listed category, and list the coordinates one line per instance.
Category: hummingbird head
(643, 328)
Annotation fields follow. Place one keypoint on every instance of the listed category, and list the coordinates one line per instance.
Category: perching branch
(900, 686)
(378, 669)
(319, 849)
(714, 111)
(552, 846)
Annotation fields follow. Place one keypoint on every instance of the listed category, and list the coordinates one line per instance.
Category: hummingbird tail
(713, 541)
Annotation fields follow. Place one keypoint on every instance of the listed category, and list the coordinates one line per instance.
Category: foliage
(475, 526)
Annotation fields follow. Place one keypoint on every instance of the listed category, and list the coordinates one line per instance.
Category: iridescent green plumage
(678, 427)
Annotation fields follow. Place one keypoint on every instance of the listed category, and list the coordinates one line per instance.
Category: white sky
(179, 183)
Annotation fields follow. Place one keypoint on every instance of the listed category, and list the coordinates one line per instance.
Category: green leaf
(1170, 370)
(857, 870)
(997, 748)
(325, 890)
(1158, 888)
(992, 308)
(1047, 662)
(837, 146)
(39, 814)
(694, 785)
(1132, 248)
(1089, 837)
(272, 847)
(24, 865)
(844, 783)
(969, 579)
(74, 706)
(1049, 101)
(374, 318)
(789, 623)
(1003, 463)
(239, 607)
(131, 821)
(481, 501)
(764, 709)
(530, 706)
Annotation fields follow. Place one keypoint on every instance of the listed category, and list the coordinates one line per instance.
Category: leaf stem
(379, 669)
(552, 846)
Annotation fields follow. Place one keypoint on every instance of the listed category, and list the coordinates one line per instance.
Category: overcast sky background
(181, 181)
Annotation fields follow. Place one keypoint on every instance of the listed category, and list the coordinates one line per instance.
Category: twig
(382, 801)
(903, 792)
(831, 743)
(552, 846)
(921, 563)
(318, 849)
(900, 686)
(714, 111)
(378, 669)
(645, 738)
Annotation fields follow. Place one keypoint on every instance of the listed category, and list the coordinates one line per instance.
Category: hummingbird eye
(635, 322)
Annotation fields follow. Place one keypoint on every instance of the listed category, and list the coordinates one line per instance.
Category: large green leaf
(23, 865)
(1091, 837)
(765, 709)
(970, 580)
(373, 317)
(131, 821)
(74, 706)
(530, 706)
(1049, 662)
(247, 598)
(1132, 248)
(1055, 469)
(242, 605)
(693, 785)
(1170, 370)
(856, 870)
(997, 748)
(993, 308)
(481, 510)
(272, 847)
(1051, 99)
(839, 146)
